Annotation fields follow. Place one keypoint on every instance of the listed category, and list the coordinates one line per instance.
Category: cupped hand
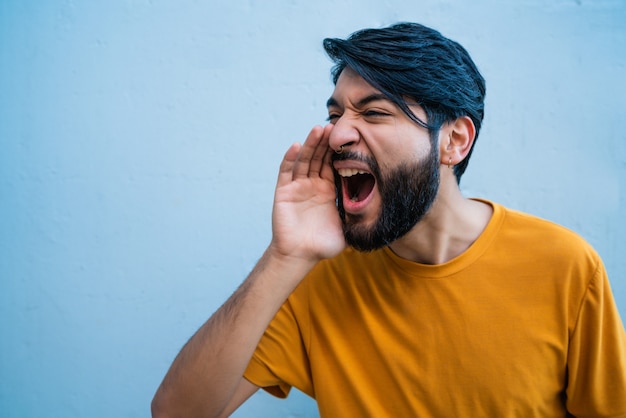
(305, 220)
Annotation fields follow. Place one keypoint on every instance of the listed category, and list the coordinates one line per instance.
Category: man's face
(387, 176)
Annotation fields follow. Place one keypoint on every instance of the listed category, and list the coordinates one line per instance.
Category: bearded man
(384, 291)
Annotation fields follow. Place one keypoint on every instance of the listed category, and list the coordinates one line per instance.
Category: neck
(449, 228)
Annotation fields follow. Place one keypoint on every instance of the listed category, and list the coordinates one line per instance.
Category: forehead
(352, 87)
(352, 90)
(349, 77)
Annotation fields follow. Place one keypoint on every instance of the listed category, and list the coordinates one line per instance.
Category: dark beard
(407, 192)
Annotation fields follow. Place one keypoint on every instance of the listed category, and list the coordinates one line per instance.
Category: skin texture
(205, 379)
(404, 189)
(378, 129)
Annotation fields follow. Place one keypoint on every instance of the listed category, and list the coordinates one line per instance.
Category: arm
(596, 384)
(205, 379)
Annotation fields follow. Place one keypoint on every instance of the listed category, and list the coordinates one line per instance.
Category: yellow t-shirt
(523, 324)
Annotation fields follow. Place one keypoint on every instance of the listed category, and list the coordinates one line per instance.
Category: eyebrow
(364, 101)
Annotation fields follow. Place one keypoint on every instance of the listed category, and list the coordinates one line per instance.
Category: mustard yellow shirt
(523, 324)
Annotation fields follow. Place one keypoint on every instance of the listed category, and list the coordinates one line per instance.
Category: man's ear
(455, 140)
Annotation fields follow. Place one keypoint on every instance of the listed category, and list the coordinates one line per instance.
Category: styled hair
(409, 61)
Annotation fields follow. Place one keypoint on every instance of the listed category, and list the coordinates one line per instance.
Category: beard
(407, 193)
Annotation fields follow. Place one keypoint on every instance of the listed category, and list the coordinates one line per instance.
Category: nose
(344, 134)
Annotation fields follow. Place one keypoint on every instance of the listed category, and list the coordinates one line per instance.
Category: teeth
(349, 172)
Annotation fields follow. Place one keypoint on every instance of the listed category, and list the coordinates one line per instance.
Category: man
(386, 293)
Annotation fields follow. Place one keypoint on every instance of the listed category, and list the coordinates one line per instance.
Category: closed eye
(333, 117)
(374, 113)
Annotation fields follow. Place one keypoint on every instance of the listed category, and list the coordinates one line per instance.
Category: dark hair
(409, 60)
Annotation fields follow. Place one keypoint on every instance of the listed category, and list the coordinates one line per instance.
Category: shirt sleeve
(280, 361)
(597, 355)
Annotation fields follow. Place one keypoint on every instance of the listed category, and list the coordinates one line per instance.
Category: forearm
(205, 374)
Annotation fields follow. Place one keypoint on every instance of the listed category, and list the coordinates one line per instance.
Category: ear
(455, 140)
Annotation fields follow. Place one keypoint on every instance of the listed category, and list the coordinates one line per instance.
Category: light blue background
(139, 145)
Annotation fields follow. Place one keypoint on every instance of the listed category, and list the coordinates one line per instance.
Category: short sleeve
(280, 360)
(597, 355)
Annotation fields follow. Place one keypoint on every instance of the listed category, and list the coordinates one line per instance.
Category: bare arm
(206, 378)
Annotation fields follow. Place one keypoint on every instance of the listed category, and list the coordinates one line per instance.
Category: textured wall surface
(139, 144)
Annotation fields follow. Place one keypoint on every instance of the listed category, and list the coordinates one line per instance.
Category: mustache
(354, 156)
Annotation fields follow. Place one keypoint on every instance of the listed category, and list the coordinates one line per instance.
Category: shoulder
(350, 264)
(534, 227)
(348, 272)
(541, 238)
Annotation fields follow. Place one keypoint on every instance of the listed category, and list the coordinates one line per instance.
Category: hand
(305, 220)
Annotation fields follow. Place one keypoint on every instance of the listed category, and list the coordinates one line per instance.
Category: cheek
(400, 143)
(392, 158)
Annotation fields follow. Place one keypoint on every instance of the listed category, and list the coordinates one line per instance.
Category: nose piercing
(340, 150)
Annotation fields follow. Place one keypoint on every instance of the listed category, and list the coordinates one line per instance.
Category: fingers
(327, 168)
(320, 163)
(312, 158)
(285, 173)
(302, 164)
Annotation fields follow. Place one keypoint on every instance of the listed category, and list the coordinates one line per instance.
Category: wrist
(292, 266)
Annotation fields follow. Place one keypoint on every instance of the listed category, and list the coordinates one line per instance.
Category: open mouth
(357, 184)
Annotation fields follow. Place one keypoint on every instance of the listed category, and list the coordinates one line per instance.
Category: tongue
(360, 186)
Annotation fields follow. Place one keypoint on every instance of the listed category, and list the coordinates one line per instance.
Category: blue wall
(139, 145)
